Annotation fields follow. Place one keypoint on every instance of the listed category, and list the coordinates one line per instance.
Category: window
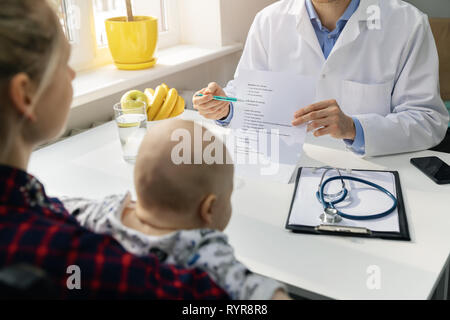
(62, 12)
(104, 9)
(83, 22)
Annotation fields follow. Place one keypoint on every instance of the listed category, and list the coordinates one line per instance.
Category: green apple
(133, 99)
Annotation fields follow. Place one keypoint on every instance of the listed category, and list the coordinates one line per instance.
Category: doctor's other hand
(326, 118)
(207, 106)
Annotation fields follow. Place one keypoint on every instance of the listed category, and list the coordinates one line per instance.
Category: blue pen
(219, 98)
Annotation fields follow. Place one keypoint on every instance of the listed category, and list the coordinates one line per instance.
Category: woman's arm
(108, 271)
(85, 265)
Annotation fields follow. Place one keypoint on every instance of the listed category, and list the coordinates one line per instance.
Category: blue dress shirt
(327, 39)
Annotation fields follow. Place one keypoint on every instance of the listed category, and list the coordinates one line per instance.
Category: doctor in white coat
(376, 66)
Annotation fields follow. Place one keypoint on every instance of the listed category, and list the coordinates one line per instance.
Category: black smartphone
(436, 169)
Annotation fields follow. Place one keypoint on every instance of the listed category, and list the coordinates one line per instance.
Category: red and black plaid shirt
(37, 230)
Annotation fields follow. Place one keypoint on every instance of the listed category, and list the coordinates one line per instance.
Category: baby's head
(184, 196)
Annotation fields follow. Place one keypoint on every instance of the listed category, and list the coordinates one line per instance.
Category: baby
(180, 213)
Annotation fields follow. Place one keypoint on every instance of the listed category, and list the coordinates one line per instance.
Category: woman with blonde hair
(35, 97)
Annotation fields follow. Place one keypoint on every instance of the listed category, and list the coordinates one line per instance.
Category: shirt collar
(18, 188)
(352, 7)
(311, 11)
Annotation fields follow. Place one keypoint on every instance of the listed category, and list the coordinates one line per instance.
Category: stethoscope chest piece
(330, 216)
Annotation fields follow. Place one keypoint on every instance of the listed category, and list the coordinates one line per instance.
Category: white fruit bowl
(151, 124)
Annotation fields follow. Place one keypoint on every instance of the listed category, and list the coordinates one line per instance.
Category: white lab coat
(387, 77)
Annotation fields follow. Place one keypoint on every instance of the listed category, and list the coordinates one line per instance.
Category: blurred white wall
(200, 22)
(237, 17)
(218, 22)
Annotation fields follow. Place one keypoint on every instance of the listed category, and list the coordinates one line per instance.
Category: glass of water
(132, 125)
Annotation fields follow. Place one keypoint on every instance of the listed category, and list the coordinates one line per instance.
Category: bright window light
(83, 22)
(104, 9)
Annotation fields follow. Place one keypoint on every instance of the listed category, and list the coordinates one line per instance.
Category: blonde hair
(29, 39)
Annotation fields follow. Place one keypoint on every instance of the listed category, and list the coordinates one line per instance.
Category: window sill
(104, 81)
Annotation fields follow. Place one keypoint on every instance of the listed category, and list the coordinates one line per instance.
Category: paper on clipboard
(362, 200)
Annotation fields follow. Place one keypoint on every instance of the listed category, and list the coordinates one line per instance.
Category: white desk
(90, 165)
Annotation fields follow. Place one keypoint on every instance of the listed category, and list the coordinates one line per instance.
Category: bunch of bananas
(165, 103)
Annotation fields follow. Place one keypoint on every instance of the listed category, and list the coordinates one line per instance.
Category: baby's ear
(206, 209)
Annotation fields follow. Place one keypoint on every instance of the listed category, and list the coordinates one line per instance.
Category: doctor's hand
(207, 106)
(326, 118)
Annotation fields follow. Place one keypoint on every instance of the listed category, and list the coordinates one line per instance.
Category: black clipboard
(403, 235)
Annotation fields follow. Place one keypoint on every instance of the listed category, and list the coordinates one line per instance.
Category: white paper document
(265, 143)
(362, 200)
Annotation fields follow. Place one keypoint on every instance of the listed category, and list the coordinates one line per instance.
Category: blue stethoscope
(332, 215)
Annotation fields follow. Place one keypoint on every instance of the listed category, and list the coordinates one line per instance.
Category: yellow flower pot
(133, 43)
